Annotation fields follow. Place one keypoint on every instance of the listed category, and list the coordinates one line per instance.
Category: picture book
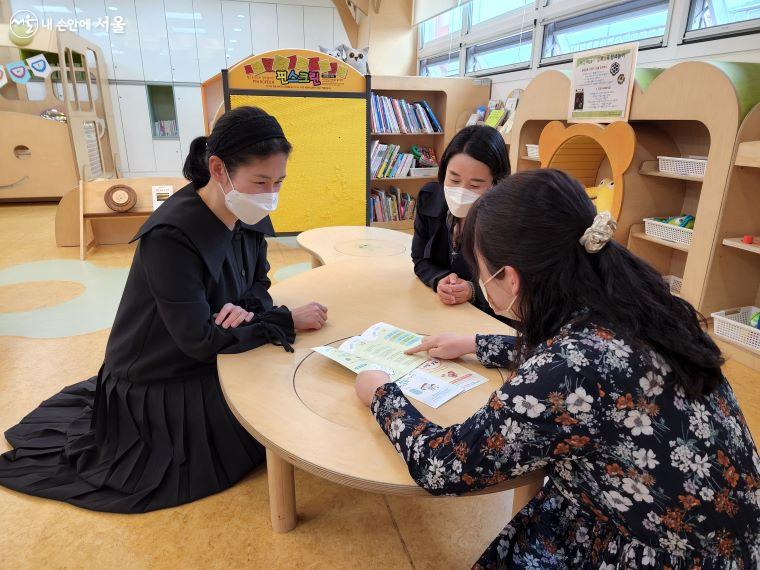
(381, 347)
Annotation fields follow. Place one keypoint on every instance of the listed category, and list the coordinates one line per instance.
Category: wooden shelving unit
(406, 179)
(451, 99)
(748, 154)
(403, 225)
(407, 134)
(650, 168)
(639, 234)
(739, 244)
(690, 109)
(733, 279)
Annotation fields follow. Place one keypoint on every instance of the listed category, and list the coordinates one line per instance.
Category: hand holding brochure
(382, 346)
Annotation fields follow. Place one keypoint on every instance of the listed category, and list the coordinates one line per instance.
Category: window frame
(446, 56)
(588, 16)
(717, 32)
(503, 68)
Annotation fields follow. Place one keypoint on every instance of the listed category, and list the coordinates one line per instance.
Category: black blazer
(188, 264)
(431, 246)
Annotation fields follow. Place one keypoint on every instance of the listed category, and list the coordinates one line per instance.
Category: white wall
(741, 48)
(183, 42)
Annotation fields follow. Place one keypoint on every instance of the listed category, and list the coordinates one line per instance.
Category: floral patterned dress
(639, 475)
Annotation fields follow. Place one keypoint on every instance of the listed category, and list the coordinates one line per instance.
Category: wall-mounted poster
(602, 84)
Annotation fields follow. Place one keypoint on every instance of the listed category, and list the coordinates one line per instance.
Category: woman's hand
(231, 316)
(454, 291)
(368, 382)
(446, 346)
(310, 317)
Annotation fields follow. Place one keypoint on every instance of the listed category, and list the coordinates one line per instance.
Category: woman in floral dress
(613, 388)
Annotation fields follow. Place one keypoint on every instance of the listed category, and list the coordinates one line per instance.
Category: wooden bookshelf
(406, 179)
(401, 225)
(663, 242)
(407, 134)
(452, 100)
(651, 168)
(739, 244)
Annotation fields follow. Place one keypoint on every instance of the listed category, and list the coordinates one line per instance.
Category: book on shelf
(387, 160)
(399, 116)
(391, 205)
(165, 128)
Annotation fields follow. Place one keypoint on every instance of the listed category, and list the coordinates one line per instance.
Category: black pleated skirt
(123, 447)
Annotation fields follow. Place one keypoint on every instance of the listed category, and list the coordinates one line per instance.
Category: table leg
(523, 495)
(282, 493)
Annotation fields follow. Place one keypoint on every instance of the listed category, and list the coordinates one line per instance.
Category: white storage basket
(532, 150)
(424, 171)
(733, 325)
(668, 232)
(682, 166)
(674, 282)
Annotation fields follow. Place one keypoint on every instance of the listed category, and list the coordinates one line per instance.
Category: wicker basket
(532, 150)
(733, 325)
(682, 166)
(674, 282)
(668, 232)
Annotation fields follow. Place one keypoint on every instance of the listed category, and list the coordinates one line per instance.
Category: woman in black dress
(475, 160)
(152, 430)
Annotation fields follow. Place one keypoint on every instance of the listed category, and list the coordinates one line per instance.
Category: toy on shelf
(682, 221)
(120, 198)
(356, 58)
(603, 195)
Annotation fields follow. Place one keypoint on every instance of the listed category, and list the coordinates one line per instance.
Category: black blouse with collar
(433, 253)
(187, 266)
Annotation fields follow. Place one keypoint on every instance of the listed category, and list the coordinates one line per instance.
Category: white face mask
(508, 312)
(249, 208)
(459, 200)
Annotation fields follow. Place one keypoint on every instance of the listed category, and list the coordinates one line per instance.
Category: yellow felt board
(326, 181)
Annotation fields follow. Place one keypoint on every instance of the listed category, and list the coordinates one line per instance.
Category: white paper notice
(602, 83)
(161, 193)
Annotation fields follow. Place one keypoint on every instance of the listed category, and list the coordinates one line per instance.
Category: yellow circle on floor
(34, 295)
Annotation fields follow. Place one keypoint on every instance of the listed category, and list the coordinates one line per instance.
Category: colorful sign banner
(292, 69)
(18, 71)
(39, 65)
(602, 84)
(3, 76)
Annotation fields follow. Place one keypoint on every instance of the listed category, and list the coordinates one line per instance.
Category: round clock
(120, 198)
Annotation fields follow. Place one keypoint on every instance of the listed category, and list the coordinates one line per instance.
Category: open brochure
(381, 347)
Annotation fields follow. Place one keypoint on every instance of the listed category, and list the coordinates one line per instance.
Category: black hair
(483, 143)
(238, 136)
(532, 221)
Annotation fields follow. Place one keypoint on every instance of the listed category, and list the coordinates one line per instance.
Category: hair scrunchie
(599, 233)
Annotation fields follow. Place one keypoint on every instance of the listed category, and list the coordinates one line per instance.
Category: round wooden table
(340, 243)
(302, 406)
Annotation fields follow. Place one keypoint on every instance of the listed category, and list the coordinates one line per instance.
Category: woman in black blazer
(475, 159)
